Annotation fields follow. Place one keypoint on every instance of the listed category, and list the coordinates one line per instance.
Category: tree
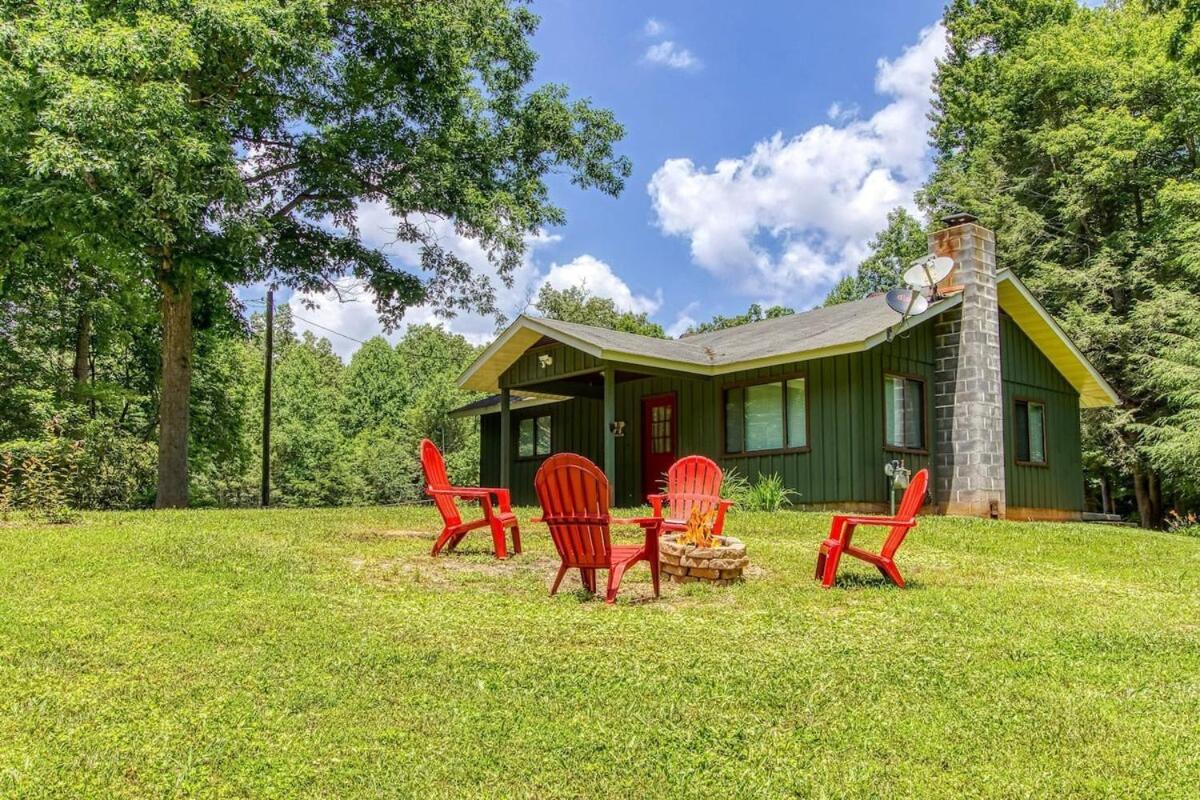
(575, 304)
(233, 141)
(753, 314)
(1072, 132)
(892, 250)
(376, 387)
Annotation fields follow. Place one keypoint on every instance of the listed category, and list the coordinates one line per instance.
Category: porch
(632, 420)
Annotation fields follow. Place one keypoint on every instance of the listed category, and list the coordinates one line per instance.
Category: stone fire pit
(720, 565)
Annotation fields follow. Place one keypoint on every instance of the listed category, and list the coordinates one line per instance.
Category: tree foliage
(895, 247)
(576, 304)
(1072, 132)
(755, 313)
(204, 144)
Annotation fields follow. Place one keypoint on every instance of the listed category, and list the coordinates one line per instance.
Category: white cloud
(353, 313)
(669, 54)
(795, 214)
(600, 280)
(653, 27)
(683, 321)
(840, 112)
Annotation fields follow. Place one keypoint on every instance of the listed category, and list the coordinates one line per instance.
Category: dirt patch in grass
(375, 535)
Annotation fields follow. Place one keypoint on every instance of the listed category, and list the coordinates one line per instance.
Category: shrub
(768, 493)
(1188, 524)
(735, 487)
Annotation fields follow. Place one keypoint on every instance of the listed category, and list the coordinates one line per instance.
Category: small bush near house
(735, 487)
(768, 493)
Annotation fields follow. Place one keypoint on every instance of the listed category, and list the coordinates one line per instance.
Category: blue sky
(768, 139)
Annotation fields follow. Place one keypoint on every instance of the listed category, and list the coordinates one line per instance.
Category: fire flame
(699, 529)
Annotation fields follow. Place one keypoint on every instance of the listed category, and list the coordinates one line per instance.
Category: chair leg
(516, 534)
(889, 571)
(820, 573)
(441, 541)
(615, 573)
(654, 574)
(831, 567)
(498, 542)
(562, 570)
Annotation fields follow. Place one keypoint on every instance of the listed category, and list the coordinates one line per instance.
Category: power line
(310, 322)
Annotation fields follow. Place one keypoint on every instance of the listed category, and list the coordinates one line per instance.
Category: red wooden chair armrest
(888, 521)
(641, 522)
(656, 503)
(460, 492)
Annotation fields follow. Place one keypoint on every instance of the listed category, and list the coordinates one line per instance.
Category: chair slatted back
(910, 504)
(434, 467)
(574, 496)
(693, 482)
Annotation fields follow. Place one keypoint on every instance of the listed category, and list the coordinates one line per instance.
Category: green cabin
(983, 388)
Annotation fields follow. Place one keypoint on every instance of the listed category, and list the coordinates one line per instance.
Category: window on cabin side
(533, 437)
(1029, 421)
(766, 416)
(903, 412)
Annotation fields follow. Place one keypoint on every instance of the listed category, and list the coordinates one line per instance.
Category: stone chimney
(968, 394)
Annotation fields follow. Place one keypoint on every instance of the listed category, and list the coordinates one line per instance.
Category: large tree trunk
(83, 346)
(1156, 501)
(1141, 492)
(176, 306)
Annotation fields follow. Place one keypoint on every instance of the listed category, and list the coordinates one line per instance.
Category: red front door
(659, 430)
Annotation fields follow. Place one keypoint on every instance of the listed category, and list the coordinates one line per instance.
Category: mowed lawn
(324, 653)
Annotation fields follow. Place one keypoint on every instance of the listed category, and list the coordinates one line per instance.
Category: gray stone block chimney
(968, 394)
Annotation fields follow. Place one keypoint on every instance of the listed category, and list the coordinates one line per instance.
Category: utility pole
(266, 413)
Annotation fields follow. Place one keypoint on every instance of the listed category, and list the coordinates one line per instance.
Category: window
(1029, 423)
(533, 437)
(766, 416)
(661, 438)
(903, 412)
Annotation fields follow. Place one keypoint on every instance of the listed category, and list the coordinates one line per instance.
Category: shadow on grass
(866, 580)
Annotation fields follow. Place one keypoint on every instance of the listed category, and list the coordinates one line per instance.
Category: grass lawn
(324, 653)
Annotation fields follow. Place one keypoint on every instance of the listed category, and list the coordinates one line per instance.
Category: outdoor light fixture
(545, 360)
(617, 428)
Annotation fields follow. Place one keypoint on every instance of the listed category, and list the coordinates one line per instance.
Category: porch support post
(505, 438)
(610, 441)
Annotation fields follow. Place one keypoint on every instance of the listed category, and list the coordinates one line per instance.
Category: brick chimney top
(958, 218)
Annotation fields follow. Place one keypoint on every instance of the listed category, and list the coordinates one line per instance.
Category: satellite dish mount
(923, 274)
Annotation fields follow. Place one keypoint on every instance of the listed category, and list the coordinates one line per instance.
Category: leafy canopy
(575, 304)
(892, 250)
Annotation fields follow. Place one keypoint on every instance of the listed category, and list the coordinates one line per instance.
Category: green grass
(323, 653)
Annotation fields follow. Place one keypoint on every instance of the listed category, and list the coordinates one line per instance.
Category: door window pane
(797, 413)
(764, 417)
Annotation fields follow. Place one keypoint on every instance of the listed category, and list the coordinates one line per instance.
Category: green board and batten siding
(844, 463)
(1030, 375)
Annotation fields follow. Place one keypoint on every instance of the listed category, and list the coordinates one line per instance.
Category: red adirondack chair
(843, 529)
(454, 528)
(693, 481)
(574, 496)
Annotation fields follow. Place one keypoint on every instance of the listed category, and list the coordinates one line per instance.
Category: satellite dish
(928, 271)
(907, 302)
